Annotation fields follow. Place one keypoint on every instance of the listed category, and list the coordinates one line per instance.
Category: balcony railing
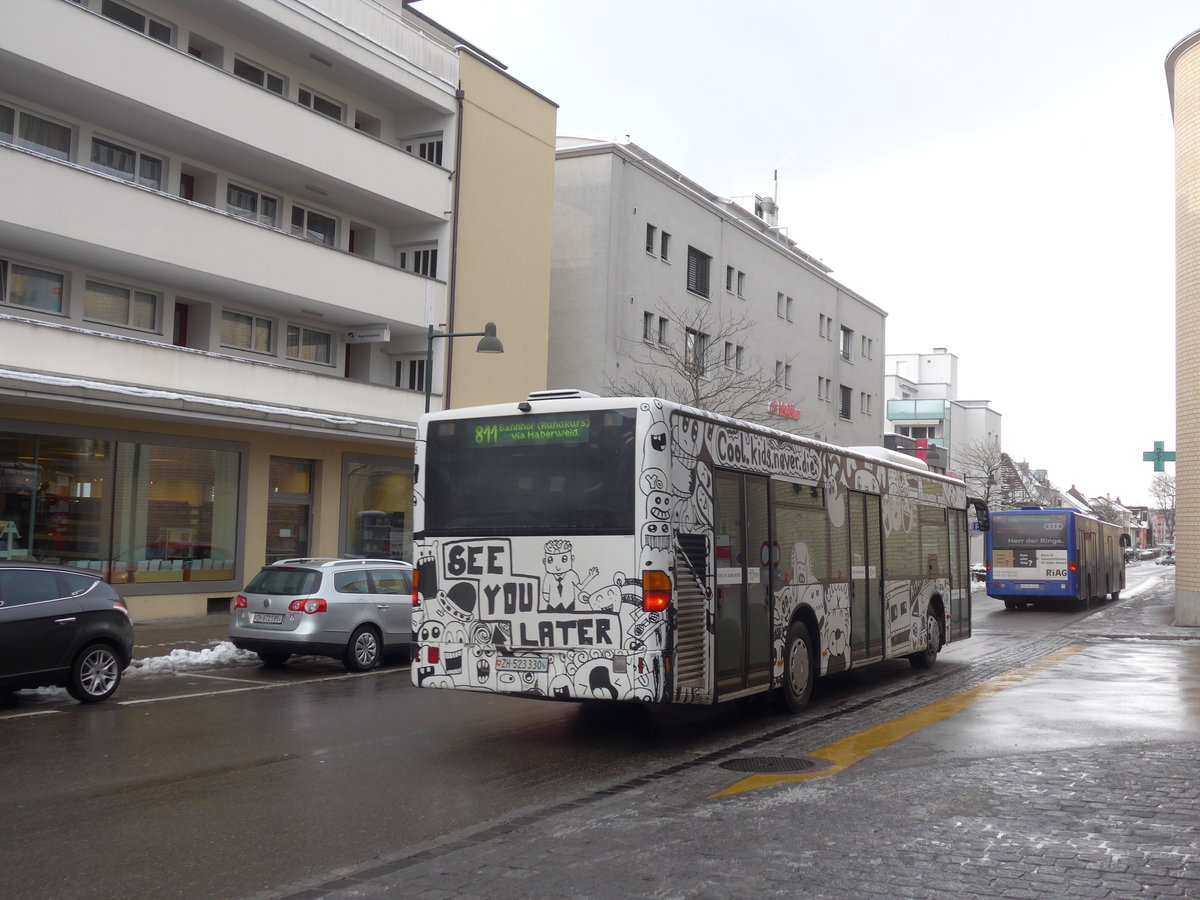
(908, 410)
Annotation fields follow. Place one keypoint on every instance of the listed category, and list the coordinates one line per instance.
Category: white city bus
(576, 547)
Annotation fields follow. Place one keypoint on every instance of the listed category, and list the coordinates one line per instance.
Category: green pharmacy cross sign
(1158, 456)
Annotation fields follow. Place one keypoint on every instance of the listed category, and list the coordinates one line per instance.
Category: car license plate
(522, 664)
(266, 618)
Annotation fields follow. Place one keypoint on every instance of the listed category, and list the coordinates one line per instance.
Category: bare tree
(1162, 489)
(982, 465)
(1107, 511)
(708, 367)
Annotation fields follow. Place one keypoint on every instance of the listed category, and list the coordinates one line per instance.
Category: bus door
(743, 575)
(866, 577)
(960, 577)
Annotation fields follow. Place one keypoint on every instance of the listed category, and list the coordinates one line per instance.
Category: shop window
(378, 494)
(135, 513)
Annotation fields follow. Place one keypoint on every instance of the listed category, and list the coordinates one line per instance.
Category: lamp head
(489, 343)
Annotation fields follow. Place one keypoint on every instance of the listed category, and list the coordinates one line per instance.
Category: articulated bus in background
(1036, 554)
(576, 547)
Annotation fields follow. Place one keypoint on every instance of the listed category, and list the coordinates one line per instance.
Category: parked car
(355, 610)
(62, 626)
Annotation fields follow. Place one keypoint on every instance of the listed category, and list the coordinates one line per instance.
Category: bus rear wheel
(924, 659)
(798, 673)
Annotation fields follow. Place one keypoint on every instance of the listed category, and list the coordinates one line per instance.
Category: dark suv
(62, 627)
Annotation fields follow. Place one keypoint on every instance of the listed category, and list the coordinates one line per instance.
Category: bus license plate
(522, 664)
(266, 618)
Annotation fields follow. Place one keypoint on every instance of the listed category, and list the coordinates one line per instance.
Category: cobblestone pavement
(1103, 820)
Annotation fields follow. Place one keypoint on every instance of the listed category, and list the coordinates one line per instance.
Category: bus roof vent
(563, 394)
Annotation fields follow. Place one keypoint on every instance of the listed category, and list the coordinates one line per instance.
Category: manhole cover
(774, 765)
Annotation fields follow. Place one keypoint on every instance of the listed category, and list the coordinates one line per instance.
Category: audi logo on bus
(1054, 526)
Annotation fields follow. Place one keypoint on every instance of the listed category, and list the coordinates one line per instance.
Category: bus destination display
(507, 432)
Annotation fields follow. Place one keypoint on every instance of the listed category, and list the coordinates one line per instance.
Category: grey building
(649, 266)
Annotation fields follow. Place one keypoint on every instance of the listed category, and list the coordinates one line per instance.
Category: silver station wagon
(355, 610)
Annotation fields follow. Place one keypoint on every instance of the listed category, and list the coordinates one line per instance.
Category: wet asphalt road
(243, 781)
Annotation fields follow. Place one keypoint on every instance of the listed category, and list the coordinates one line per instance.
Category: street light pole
(489, 343)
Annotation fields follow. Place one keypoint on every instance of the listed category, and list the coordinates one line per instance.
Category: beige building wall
(504, 211)
(1183, 82)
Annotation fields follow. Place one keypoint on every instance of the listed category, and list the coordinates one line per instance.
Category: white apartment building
(226, 230)
(923, 404)
(646, 260)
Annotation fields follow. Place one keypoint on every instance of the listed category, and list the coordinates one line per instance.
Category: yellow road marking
(857, 747)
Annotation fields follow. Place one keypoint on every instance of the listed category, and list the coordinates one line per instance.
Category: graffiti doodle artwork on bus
(488, 609)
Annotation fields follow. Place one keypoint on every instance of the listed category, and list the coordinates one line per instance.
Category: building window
(864, 403)
(138, 21)
(425, 262)
(787, 308)
(697, 271)
(309, 345)
(779, 304)
(847, 397)
(847, 342)
(665, 247)
(410, 374)
(255, 74)
(428, 148)
(326, 106)
(695, 346)
(729, 279)
(31, 287)
(662, 330)
(118, 305)
(32, 132)
(826, 327)
(127, 164)
(246, 203)
(246, 332)
(741, 284)
(728, 355)
(820, 388)
(313, 226)
(787, 376)
(651, 232)
(739, 355)
(648, 326)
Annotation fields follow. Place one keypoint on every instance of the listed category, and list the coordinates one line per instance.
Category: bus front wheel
(798, 674)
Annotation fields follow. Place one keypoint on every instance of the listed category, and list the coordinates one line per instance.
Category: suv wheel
(362, 653)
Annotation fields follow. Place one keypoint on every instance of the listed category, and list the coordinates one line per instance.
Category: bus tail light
(416, 581)
(656, 590)
(1074, 566)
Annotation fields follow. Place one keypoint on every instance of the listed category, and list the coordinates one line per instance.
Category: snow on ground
(179, 660)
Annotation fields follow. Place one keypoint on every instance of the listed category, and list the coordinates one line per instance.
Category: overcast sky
(998, 177)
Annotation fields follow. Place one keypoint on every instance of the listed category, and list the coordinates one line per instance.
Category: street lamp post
(489, 343)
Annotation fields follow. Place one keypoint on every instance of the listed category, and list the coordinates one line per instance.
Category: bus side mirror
(981, 513)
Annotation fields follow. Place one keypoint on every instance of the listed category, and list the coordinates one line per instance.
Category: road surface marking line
(857, 747)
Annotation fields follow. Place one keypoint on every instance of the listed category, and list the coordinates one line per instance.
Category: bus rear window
(1016, 532)
(546, 474)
